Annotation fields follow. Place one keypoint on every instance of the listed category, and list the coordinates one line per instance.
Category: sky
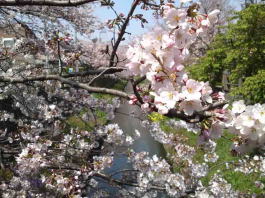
(123, 6)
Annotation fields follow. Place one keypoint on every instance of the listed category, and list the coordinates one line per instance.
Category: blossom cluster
(248, 122)
(160, 56)
(114, 135)
(155, 172)
(63, 166)
(218, 187)
(55, 160)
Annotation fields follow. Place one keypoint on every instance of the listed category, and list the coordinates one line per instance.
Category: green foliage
(5, 174)
(101, 117)
(157, 117)
(240, 50)
(245, 183)
(253, 89)
(109, 83)
(210, 67)
(97, 117)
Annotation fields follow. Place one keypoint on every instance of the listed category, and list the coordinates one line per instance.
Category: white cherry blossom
(238, 106)
(192, 90)
(174, 17)
(189, 107)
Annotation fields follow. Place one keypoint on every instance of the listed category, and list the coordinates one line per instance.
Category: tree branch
(122, 32)
(94, 72)
(196, 117)
(173, 113)
(151, 4)
(136, 93)
(66, 81)
(214, 106)
(62, 3)
(105, 71)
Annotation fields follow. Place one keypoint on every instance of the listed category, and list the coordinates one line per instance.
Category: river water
(129, 122)
(129, 118)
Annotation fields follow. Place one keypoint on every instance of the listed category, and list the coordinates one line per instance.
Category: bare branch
(111, 70)
(122, 32)
(66, 81)
(151, 4)
(102, 73)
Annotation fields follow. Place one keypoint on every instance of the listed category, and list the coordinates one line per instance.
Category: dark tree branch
(214, 106)
(122, 32)
(146, 2)
(65, 81)
(136, 93)
(173, 113)
(94, 72)
(196, 117)
(61, 3)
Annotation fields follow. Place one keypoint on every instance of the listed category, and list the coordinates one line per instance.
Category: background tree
(246, 3)
(240, 50)
(199, 48)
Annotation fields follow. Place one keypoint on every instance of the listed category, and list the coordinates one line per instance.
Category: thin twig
(100, 74)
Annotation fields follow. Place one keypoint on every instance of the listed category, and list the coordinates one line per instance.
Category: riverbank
(225, 165)
(129, 119)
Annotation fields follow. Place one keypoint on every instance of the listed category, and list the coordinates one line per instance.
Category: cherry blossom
(53, 158)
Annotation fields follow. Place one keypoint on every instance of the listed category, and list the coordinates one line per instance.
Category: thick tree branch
(173, 113)
(214, 106)
(112, 70)
(66, 81)
(62, 3)
(196, 117)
